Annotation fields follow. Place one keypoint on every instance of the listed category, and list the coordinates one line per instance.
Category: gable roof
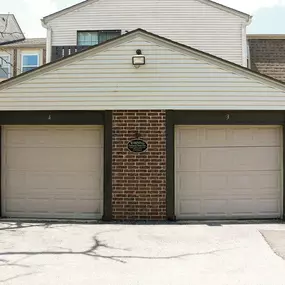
(230, 66)
(80, 5)
(10, 31)
(175, 77)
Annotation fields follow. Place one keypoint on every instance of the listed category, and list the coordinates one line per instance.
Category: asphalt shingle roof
(31, 42)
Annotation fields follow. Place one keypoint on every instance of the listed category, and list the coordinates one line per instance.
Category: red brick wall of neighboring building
(267, 56)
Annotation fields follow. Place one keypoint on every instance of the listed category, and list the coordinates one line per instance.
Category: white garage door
(52, 172)
(228, 172)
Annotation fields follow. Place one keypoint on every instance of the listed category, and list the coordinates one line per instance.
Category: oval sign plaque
(137, 146)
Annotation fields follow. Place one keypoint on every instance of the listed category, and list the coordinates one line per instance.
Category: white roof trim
(72, 8)
(226, 65)
(227, 9)
(266, 36)
(80, 5)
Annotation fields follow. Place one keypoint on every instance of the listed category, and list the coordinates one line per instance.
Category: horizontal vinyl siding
(186, 21)
(169, 80)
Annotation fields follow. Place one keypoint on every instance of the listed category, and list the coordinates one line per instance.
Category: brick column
(139, 179)
(44, 56)
(15, 63)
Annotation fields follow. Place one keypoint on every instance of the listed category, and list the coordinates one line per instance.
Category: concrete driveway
(142, 254)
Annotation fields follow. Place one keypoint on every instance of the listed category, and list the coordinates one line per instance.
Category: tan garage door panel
(228, 172)
(53, 172)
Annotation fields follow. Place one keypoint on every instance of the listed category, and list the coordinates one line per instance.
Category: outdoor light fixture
(138, 59)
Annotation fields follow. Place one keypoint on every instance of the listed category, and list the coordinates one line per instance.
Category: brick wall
(139, 179)
(15, 70)
(44, 56)
(268, 57)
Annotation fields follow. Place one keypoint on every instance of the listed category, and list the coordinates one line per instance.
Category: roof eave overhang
(266, 36)
(230, 10)
(45, 20)
(12, 42)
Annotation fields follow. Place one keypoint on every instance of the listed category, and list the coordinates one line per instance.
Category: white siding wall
(106, 80)
(186, 21)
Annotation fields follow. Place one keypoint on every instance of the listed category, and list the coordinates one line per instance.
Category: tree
(10, 32)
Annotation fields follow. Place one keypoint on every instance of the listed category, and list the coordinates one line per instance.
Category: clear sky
(268, 15)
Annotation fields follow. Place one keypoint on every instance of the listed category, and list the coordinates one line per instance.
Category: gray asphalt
(249, 254)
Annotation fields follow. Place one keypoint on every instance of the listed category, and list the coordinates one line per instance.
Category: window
(90, 38)
(4, 66)
(29, 62)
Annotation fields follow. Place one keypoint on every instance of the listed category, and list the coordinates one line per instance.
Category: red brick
(267, 57)
(139, 180)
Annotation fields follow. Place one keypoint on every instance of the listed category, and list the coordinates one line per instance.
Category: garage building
(213, 132)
